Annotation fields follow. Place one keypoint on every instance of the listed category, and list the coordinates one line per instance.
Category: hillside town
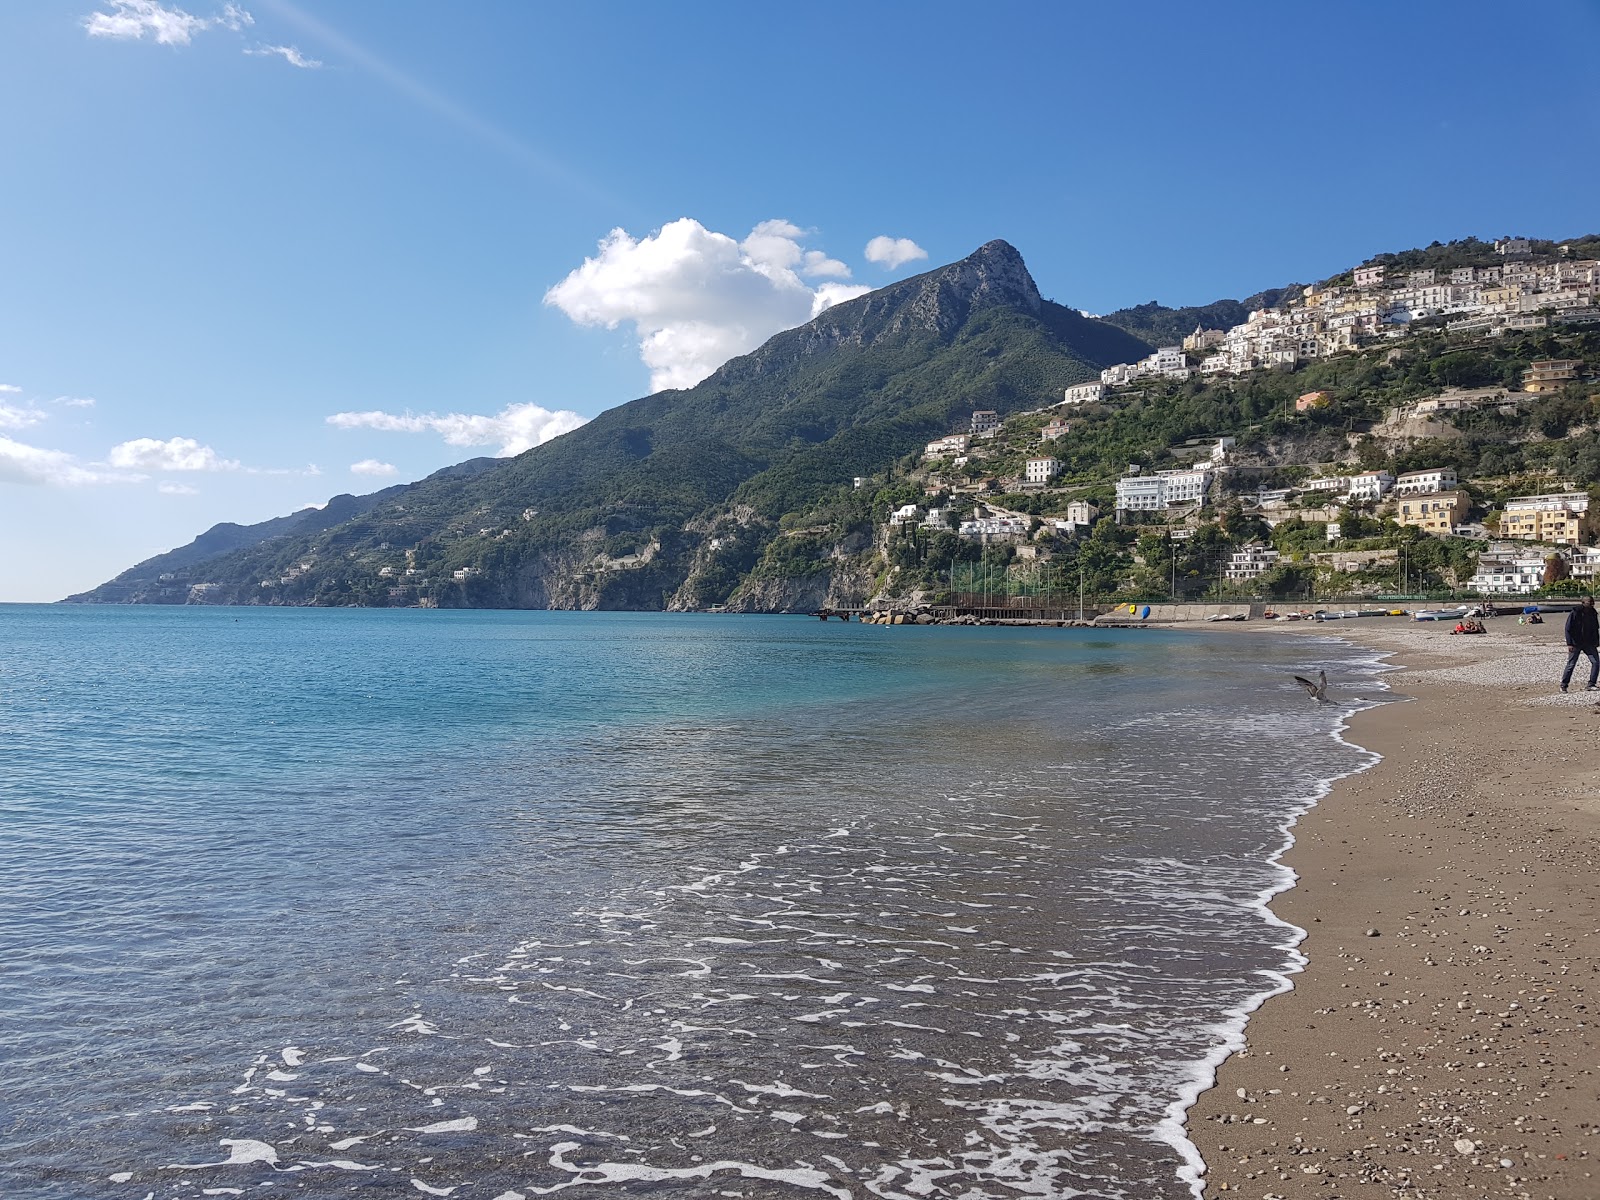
(999, 483)
(1333, 319)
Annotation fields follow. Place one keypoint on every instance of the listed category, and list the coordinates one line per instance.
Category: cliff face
(565, 525)
(842, 587)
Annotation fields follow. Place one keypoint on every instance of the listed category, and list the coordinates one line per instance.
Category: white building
(1584, 562)
(1250, 562)
(1042, 470)
(1421, 483)
(1085, 393)
(906, 514)
(995, 529)
(1370, 485)
(1154, 493)
(956, 443)
(937, 519)
(985, 422)
(1501, 573)
(1169, 361)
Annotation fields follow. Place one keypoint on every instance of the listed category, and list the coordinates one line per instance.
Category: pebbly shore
(1441, 1041)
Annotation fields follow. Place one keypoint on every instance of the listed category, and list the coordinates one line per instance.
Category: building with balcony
(1551, 374)
(1433, 512)
(1561, 519)
(1420, 483)
(1250, 562)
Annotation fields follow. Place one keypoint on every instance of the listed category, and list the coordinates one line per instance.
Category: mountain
(674, 498)
(1163, 326)
(165, 578)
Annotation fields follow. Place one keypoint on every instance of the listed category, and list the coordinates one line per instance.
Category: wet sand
(1441, 1041)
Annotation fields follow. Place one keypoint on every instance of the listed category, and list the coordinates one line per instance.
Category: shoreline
(1438, 1040)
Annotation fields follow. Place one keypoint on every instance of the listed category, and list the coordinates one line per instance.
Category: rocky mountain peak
(939, 301)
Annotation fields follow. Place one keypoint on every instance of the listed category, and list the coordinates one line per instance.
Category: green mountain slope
(1163, 326)
(616, 513)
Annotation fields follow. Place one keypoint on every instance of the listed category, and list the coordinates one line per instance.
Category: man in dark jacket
(1583, 637)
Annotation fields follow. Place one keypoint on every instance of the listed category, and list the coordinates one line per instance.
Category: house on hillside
(1551, 374)
(1250, 562)
(985, 422)
(1156, 493)
(956, 443)
(1041, 470)
(1434, 512)
(1084, 393)
(1419, 483)
(1056, 428)
(1561, 519)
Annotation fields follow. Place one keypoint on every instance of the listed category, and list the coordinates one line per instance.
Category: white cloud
(289, 54)
(21, 463)
(176, 489)
(893, 252)
(12, 417)
(816, 263)
(174, 454)
(134, 20)
(516, 428)
(74, 401)
(371, 466)
(697, 298)
(9, 387)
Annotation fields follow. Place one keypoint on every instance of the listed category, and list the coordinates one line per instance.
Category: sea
(338, 902)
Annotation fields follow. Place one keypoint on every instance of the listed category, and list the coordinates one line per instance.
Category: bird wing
(1313, 688)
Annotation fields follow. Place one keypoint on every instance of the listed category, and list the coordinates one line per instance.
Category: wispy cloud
(136, 20)
(15, 417)
(174, 454)
(893, 252)
(515, 428)
(371, 466)
(289, 54)
(696, 297)
(168, 488)
(74, 401)
(440, 105)
(21, 463)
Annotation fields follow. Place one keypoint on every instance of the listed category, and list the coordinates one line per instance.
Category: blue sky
(247, 248)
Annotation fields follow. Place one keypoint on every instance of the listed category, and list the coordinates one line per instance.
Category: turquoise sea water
(341, 902)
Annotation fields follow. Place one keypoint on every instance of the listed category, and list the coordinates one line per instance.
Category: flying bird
(1317, 690)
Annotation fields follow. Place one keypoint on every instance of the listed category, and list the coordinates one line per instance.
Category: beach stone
(1465, 1145)
(1372, 933)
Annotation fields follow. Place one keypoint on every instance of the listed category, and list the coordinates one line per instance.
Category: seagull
(1318, 690)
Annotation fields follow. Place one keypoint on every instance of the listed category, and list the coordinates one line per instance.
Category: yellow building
(1551, 374)
(1438, 513)
(1561, 520)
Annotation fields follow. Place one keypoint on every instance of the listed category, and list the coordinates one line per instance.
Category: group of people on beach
(1583, 637)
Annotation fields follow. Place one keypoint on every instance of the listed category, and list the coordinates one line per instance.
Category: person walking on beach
(1583, 637)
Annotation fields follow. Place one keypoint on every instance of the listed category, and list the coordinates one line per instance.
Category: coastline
(1440, 1039)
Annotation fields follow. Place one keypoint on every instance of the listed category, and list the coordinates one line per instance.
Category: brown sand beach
(1441, 1041)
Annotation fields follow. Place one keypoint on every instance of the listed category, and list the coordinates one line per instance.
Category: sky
(254, 255)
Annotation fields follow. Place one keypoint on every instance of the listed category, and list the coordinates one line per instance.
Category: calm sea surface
(367, 903)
